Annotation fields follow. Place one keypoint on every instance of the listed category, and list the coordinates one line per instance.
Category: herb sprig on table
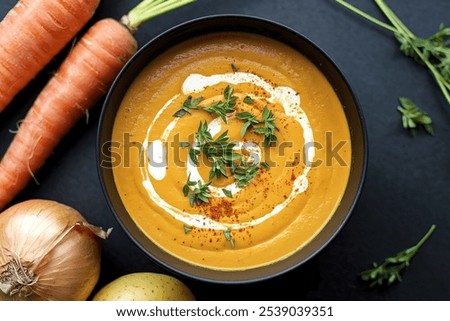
(433, 52)
(412, 117)
(390, 271)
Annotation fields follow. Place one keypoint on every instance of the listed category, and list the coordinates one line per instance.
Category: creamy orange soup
(264, 192)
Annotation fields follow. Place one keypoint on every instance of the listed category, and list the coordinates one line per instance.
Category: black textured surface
(407, 184)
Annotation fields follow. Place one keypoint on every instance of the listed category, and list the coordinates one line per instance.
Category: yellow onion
(48, 252)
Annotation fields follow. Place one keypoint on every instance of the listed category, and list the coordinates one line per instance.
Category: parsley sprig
(412, 116)
(433, 52)
(244, 173)
(390, 271)
(268, 125)
(222, 108)
(249, 119)
(198, 194)
(227, 193)
(188, 104)
(219, 151)
(269, 128)
(222, 155)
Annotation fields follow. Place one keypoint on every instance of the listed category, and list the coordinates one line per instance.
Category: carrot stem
(366, 16)
(398, 28)
(148, 9)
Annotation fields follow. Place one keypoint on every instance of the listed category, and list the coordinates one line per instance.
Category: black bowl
(220, 23)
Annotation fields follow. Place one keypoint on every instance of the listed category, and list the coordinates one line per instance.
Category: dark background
(407, 188)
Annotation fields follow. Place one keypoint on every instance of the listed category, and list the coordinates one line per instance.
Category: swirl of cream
(195, 83)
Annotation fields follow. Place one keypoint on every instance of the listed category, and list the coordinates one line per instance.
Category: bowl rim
(354, 197)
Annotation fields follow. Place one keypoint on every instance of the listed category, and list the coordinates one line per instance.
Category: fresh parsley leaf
(191, 200)
(188, 104)
(180, 113)
(249, 119)
(244, 173)
(197, 192)
(248, 100)
(219, 151)
(268, 130)
(228, 237)
(245, 115)
(185, 189)
(186, 229)
(265, 165)
(228, 94)
(268, 122)
(234, 68)
(390, 271)
(203, 135)
(412, 116)
(218, 168)
(222, 108)
(227, 193)
(193, 155)
(244, 128)
(433, 50)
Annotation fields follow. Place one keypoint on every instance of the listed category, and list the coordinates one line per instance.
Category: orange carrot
(31, 34)
(80, 82)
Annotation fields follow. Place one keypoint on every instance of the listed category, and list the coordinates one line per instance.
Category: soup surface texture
(231, 151)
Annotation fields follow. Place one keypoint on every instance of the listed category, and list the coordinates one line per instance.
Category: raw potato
(145, 286)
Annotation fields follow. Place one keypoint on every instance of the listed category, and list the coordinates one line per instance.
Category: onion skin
(57, 244)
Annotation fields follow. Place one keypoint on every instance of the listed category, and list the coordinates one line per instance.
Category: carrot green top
(148, 9)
